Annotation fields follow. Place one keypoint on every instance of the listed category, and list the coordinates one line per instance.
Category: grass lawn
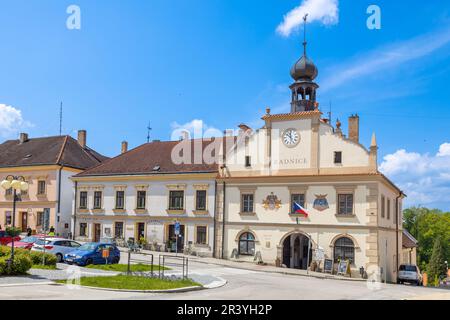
(40, 266)
(134, 283)
(124, 268)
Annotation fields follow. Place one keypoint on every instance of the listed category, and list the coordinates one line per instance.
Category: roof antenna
(149, 129)
(329, 113)
(60, 118)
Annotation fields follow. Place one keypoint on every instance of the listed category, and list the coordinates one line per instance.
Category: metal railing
(173, 261)
(141, 261)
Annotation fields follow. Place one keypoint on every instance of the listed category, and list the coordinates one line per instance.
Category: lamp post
(16, 183)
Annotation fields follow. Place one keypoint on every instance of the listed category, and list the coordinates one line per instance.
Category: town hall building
(300, 160)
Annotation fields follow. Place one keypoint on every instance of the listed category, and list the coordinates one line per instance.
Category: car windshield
(408, 268)
(88, 247)
(30, 240)
(42, 242)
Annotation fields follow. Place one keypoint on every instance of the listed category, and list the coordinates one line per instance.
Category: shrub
(38, 257)
(22, 263)
(13, 232)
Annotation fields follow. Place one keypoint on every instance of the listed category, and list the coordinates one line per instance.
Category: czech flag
(298, 209)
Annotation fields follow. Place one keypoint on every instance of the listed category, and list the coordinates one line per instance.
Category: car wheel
(59, 258)
(116, 260)
(88, 262)
(399, 281)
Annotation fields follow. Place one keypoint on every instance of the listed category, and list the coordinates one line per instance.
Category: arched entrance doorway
(295, 251)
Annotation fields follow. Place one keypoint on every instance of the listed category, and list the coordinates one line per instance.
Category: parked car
(410, 274)
(92, 253)
(27, 243)
(5, 238)
(57, 246)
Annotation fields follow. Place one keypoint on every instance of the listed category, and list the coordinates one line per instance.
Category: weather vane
(305, 18)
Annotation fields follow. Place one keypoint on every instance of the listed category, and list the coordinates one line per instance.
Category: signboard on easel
(328, 266)
(344, 268)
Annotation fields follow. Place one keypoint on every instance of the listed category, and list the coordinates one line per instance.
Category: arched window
(344, 249)
(247, 244)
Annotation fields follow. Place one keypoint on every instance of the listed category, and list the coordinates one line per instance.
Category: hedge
(23, 260)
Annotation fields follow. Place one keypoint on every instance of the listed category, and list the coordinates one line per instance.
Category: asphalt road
(242, 285)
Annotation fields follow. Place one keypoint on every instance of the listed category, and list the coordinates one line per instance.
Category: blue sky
(222, 62)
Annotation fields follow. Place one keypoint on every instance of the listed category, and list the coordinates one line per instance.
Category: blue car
(92, 253)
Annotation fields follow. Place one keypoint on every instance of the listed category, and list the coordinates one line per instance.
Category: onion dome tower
(304, 88)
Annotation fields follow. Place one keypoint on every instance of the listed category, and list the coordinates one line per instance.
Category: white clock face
(291, 138)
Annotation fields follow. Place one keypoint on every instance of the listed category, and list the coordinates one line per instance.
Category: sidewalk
(253, 266)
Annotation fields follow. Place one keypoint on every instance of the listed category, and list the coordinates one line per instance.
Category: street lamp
(16, 183)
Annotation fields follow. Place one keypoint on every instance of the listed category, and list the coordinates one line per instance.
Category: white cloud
(424, 178)
(197, 129)
(384, 59)
(444, 150)
(11, 121)
(324, 11)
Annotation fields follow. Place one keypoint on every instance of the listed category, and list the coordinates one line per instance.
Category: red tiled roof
(59, 150)
(150, 156)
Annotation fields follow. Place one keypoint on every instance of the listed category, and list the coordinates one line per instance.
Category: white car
(57, 246)
(410, 274)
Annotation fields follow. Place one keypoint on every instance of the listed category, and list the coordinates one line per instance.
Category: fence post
(129, 262)
(187, 268)
(152, 266)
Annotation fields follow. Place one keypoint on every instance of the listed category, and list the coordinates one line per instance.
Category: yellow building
(300, 160)
(46, 164)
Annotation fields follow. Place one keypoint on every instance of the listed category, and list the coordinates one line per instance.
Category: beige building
(142, 193)
(47, 165)
(299, 159)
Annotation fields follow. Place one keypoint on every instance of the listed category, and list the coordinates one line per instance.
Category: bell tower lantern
(304, 88)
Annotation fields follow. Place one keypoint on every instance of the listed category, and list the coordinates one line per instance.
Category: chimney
(82, 138)
(124, 147)
(23, 138)
(353, 128)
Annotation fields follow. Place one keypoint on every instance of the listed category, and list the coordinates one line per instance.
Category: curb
(26, 284)
(179, 290)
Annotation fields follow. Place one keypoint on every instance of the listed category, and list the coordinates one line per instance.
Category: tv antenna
(60, 118)
(149, 130)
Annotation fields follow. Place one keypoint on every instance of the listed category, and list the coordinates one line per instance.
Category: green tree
(437, 267)
(426, 225)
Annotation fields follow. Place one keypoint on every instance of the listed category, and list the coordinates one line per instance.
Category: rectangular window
(41, 187)
(97, 200)
(201, 200)
(248, 161)
(141, 199)
(383, 207)
(345, 204)
(40, 219)
(118, 230)
(338, 157)
(8, 218)
(389, 209)
(83, 229)
(9, 192)
(176, 200)
(83, 200)
(247, 203)
(24, 193)
(297, 198)
(201, 233)
(120, 199)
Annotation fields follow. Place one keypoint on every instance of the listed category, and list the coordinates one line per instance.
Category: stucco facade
(154, 222)
(264, 166)
(56, 196)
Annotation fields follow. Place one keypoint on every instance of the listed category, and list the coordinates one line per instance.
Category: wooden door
(24, 219)
(97, 232)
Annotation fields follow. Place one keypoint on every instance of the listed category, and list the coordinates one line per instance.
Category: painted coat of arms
(272, 202)
(321, 202)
